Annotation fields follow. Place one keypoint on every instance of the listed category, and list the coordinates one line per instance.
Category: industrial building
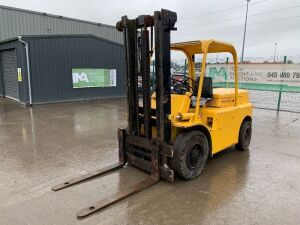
(47, 58)
(15, 22)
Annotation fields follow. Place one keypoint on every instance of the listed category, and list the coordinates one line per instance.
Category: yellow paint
(180, 103)
(223, 114)
(226, 97)
(222, 121)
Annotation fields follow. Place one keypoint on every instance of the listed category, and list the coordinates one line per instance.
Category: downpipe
(28, 69)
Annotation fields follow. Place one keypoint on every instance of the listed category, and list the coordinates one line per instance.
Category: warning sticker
(20, 75)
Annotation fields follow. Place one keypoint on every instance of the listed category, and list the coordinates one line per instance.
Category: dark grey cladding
(52, 58)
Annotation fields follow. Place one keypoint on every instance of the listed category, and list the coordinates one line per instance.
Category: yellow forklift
(178, 124)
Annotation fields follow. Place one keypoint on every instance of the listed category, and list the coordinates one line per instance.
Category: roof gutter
(28, 69)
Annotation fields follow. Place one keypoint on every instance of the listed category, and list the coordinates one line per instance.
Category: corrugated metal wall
(21, 63)
(53, 57)
(8, 60)
(16, 22)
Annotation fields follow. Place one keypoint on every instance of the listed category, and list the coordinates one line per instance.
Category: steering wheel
(181, 84)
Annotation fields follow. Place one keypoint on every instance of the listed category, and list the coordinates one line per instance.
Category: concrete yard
(48, 144)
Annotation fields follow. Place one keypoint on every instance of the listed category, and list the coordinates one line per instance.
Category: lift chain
(151, 41)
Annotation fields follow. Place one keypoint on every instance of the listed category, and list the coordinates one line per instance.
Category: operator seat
(207, 91)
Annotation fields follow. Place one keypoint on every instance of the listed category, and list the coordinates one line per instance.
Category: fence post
(227, 60)
(280, 91)
(184, 71)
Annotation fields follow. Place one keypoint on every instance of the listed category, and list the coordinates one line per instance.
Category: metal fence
(272, 85)
(272, 100)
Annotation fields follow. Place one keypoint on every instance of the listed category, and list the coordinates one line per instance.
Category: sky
(269, 21)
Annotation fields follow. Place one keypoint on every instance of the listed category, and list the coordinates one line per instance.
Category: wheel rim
(194, 156)
(247, 136)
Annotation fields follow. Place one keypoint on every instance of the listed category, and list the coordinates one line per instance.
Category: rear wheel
(190, 154)
(244, 136)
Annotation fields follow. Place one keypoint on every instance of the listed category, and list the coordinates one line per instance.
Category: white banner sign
(287, 75)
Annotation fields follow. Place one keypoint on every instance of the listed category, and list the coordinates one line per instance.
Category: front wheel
(190, 154)
(244, 136)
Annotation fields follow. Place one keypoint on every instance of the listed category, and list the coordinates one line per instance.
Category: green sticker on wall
(86, 78)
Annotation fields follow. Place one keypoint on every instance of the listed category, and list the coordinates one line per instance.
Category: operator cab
(191, 95)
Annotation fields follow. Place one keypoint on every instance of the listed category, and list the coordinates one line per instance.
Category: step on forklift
(178, 124)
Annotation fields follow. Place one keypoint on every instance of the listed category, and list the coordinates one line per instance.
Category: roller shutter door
(9, 74)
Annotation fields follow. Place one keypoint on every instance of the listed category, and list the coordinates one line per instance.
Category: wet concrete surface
(48, 144)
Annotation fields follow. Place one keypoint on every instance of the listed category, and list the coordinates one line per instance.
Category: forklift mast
(137, 145)
(138, 43)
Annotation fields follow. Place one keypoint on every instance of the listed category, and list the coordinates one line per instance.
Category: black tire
(244, 136)
(190, 154)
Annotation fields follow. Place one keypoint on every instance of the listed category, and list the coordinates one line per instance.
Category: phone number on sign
(284, 75)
